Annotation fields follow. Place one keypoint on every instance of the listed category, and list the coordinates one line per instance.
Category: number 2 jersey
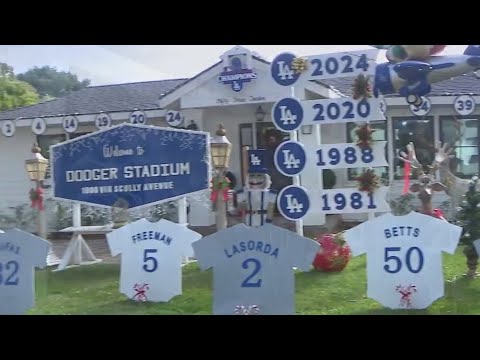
(152, 253)
(20, 253)
(253, 266)
(404, 257)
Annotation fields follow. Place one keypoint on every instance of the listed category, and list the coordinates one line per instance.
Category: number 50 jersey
(253, 266)
(404, 257)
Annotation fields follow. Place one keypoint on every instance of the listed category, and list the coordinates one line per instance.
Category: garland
(362, 89)
(368, 181)
(220, 186)
(36, 197)
(299, 65)
(365, 136)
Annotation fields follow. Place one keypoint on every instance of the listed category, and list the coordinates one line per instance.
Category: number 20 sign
(347, 156)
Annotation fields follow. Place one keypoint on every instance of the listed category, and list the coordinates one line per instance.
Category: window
(462, 133)
(417, 130)
(380, 134)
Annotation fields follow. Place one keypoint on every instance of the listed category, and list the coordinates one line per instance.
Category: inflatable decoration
(412, 69)
(334, 253)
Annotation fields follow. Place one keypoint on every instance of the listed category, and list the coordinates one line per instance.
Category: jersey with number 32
(152, 253)
(254, 266)
(404, 257)
(20, 253)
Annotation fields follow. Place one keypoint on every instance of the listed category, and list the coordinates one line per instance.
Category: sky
(116, 64)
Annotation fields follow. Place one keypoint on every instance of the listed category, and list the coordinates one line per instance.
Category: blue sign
(281, 70)
(293, 202)
(287, 114)
(236, 75)
(140, 164)
(290, 158)
(256, 162)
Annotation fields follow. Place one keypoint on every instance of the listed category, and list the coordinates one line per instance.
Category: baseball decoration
(70, 124)
(256, 201)
(39, 125)
(138, 118)
(8, 128)
(334, 253)
(103, 121)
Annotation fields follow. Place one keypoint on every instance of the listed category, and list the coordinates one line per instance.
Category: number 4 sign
(152, 256)
(404, 256)
(253, 266)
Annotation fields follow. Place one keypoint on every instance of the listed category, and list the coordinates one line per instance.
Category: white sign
(138, 118)
(326, 66)
(8, 128)
(349, 156)
(423, 109)
(289, 114)
(70, 124)
(351, 200)
(39, 125)
(103, 121)
(464, 105)
(174, 118)
(151, 258)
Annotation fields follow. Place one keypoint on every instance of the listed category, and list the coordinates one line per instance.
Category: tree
(13, 92)
(468, 216)
(50, 82)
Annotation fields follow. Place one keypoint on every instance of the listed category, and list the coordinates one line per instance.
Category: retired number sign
(347, 156)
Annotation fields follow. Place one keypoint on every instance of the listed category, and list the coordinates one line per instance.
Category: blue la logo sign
(236, 75)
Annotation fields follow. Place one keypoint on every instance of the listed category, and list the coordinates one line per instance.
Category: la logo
(289, 160)
(286, 116)
(293, 206)
(284, 71)
(254, 160)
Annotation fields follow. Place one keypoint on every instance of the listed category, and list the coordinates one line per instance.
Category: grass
(94, 289)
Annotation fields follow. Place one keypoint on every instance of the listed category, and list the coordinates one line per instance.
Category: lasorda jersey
(20, 254)
(404, 257)
(253, 266)
(152, 253)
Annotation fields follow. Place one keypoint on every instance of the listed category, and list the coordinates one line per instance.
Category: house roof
(93, 99)
(145, 95)
(459, 85)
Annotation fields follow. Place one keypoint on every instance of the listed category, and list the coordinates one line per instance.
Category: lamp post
(37, 167)
(220, 150)
(260, 114)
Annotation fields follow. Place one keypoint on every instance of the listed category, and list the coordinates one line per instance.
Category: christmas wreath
(368, 181)
(334, 253)
(364, 136)
(220, 186)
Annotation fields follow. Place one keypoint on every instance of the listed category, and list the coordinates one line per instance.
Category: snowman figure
(256, 201)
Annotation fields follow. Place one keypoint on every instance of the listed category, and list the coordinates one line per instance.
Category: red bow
(215, 194)
(439, 214)
(36, 196)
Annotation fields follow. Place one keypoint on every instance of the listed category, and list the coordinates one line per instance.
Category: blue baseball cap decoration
(256, 162)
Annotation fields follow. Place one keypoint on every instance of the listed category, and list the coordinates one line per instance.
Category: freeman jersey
(253, 266)
(20, 253)
(152, 253)
(404, 257)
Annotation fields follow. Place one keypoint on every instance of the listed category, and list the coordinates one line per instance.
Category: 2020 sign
(326, 66)
(341, 156)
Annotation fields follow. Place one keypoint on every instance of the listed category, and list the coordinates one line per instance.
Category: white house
(205, 102)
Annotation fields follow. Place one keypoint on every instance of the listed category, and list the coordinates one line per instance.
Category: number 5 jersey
(253, 267)
(151, 265)
(404, 257)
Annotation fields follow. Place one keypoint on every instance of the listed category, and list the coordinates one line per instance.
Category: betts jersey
(20, 253)
(152, 253)
(404, 257)
(253, 267)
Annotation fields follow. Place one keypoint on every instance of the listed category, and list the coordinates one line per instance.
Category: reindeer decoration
(426, 184)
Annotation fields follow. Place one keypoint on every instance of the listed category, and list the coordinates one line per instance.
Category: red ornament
(334, 254)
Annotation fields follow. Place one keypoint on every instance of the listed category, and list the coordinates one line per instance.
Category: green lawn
(94, 290)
